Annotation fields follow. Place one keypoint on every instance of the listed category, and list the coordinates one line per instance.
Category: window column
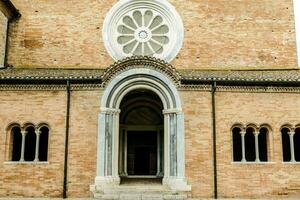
(23, 132)
(256, 133)
(243, 133)
(291, 134)
(37, 145)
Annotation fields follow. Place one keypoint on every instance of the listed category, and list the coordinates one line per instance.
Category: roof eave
(15, 13)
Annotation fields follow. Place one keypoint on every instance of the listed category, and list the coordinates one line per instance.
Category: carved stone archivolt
(141, 62)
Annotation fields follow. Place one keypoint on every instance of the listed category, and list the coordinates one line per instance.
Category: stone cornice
(48, 87)
(258, 89)
(188, 79)
(200, 87)
(35, 87)
(99, 87)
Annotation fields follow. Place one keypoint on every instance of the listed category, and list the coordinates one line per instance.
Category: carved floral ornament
(143, 28)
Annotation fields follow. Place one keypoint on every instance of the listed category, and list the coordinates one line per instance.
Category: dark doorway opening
(142, 153)
(141, 136)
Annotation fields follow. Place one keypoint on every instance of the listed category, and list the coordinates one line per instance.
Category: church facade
(149, 99)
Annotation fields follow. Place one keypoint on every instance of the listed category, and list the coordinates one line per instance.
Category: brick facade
(35, 107)
(3, 28)
(234, 179)
(218, 34)
(240, 35)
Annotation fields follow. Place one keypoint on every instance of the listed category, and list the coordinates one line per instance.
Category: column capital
(243, 133)
(104, 110)
(172, 111)
(23, 132)
(38, 132)
(256, 133)
(291, 132)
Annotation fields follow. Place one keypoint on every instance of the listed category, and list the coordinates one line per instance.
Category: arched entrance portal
(121, 81)
(141, 135)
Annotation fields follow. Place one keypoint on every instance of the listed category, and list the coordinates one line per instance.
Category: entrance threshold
(141, 176)
(141, 181)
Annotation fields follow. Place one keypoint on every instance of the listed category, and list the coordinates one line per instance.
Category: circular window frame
(165, 10)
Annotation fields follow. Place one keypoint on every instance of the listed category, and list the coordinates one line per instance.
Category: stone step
(138, 190)
(129, 192)
(126, 196)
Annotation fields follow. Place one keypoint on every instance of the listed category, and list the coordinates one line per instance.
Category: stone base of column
(177, 184)
(101, 183)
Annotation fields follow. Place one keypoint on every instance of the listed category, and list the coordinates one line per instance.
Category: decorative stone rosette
(143, 28)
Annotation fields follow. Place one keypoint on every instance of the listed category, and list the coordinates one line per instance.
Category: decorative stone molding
(260, 89)
(119, 80)
(84, 87)
(170, 71)
(44, 87)
(199, 87)
(143, 27)
(19, 87)
(136, 62)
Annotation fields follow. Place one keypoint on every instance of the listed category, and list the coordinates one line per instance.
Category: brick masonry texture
(85, 107)
(218, 35)
(30, 179)
(3, 28)
(273, 179)
(198, 144)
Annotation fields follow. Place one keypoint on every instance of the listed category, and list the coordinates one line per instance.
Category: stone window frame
(256, 131)
(23, 129)
(291, 132)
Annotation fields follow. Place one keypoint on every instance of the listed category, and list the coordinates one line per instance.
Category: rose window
(143, 27)
(143, 33)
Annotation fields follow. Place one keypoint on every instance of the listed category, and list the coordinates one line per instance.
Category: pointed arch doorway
(141, 135)
(121, 80)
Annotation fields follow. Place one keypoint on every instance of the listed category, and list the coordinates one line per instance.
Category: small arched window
(43, 144)
(250, 145)
(290, 138)
(16, 143)
(286, 148)
(297, 144)
(262, 144)
(237, 144)
(29, 143)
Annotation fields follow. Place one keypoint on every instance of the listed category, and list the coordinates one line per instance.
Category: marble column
(23, 132)
(37, 145)
(292, 149)
(174, 159)
(243, 133)
(256, 133)
(107, 164)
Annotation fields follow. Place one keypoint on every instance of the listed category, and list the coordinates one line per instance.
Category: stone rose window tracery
(143, 33)
(143, 27)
